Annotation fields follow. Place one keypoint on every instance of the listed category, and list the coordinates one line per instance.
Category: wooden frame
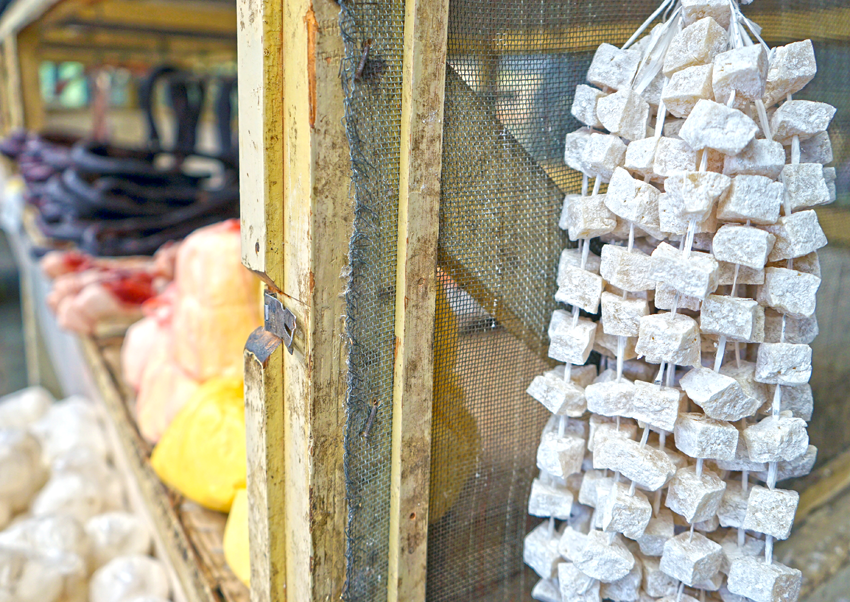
(423, 88)
(297, 220)
(261, 140)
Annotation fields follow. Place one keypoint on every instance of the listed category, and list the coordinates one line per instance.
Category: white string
(646, 23)
(689, 240)
(745, 478)
(777, 401)
(733, 24)
(666, 16)
(765, 122)
(621, 351)
(685, 246)
(721, 351)
(676, 303)
(735, 278)
(662, 115)
(795, 150)
(754, 28)
(584, 244)
(653, 60)
(659, 378)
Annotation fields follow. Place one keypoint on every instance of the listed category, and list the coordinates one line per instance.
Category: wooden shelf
(186, 536)
(191, 535)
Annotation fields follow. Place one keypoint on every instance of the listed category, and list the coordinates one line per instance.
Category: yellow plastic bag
(202, 453)
(454, 449)
(236, 539)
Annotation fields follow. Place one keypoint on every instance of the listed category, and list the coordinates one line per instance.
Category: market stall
(488, 324)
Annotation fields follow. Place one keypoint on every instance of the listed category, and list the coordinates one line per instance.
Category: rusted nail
(358, 74)
(372, 414)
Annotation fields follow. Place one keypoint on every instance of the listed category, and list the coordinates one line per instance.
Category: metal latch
(279, 320)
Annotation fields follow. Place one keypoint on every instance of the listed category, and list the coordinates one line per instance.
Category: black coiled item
(113, 201)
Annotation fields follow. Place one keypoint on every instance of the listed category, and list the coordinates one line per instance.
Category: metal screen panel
(373, 34)
(513, 67)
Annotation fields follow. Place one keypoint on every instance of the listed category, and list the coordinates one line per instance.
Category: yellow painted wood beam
(134, 58)
(155, 45)
(29, 61)
(777, 27)
(264, 422)
(296, 224)
(317, 217)
(21, 13)
(261, 138)
(157, 15)
(420, 161)
(14, 97)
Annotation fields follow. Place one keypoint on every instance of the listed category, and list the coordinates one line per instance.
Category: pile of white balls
(67, 534)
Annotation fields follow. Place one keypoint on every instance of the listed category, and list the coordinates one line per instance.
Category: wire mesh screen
(373, 34)
(831, 349)
(512, 68)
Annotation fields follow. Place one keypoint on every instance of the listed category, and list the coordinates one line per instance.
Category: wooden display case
(296, 216)
(133, 33)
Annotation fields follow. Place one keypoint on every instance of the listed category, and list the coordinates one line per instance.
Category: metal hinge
(278, 320)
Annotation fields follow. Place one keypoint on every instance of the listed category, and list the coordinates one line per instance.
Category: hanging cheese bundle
(701, 305)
